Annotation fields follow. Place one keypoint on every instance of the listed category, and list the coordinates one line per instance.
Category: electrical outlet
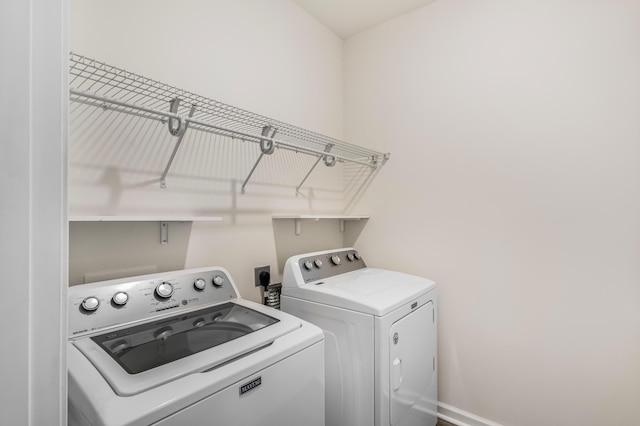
(257, 271)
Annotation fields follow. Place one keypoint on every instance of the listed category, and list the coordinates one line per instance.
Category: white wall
(266, 56)
(33, 252)
(513, 182)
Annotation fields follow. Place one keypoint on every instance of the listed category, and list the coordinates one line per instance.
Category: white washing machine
(380, 337)
(182, 348)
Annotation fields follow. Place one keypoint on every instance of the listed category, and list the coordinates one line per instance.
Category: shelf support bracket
(164, 232)
(176, 129)
(267, 147)
(326, 149)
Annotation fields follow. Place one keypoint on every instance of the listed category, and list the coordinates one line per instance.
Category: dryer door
(412, 354)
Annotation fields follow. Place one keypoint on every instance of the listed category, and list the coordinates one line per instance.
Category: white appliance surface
(380, 337)
(369, 290)
(183, 348)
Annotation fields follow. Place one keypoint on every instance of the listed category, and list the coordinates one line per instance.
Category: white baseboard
(460, 417)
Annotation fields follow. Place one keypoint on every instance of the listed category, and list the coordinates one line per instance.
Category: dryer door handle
(396, 374)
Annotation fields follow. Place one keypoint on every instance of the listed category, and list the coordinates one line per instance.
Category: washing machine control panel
(325, 265)
(95, 306)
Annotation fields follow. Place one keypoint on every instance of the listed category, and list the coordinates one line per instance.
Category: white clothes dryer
(182, 348)
(380, 331)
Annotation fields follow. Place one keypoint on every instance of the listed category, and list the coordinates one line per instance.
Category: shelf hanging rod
(282, 144)
(266, 147)
(178, 130)
(226, 131)
(123, 104)
(103, 105)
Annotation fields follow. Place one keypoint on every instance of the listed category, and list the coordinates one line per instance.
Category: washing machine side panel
(406, 391)
(412, 367)
(349, 360)
(296, 381)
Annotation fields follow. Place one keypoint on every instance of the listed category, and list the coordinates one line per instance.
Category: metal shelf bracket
(267, 146)
(329, 163)
(177, 127)
(164, 232)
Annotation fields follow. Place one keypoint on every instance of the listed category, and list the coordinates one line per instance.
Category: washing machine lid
(143, 356)
(369, 290)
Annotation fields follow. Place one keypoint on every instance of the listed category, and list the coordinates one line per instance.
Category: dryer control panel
(105, 304)
(327, 264)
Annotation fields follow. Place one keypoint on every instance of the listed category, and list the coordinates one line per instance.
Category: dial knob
(335, 259)
(308, 265)
(199, 284)
(90, 303)
(350, 257)
(218, 280)
(318, 263)
(120, 298)
(200, 322)
(356, 255)
(164, 290)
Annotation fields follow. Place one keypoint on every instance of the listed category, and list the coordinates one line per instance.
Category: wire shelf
(100, 85)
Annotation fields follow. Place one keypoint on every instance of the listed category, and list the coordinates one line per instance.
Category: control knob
(350, 257)
(308, 265)
(356, 255)
(318, 263)
(90, 303)
(120, 298)
(164, 290)
(335, 259)
(218, 280)
(199, 284)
